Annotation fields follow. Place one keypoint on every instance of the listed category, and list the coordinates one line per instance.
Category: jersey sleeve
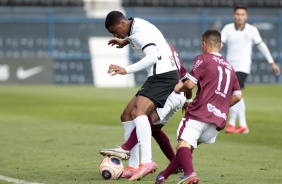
(149, 59)
(198, 69)
(236, 87)
(256, 36)
(183, 73)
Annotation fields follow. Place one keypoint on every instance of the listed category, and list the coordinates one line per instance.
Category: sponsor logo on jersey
(216, 111)
(197, 64)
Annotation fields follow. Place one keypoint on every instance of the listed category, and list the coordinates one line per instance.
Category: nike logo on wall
(24, 74)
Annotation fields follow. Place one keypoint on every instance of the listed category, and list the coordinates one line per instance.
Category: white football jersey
(143, 34)
(239, 45)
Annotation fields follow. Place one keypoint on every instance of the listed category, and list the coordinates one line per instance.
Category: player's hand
(185, 108)
(115, 69)
(177, 88)
(275, 68)
(118, 42)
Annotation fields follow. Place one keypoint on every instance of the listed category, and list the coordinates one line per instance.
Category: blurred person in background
(239, 37)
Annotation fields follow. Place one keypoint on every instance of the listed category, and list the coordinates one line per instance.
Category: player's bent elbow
(235, 99)
(239, 97)
(189, 85)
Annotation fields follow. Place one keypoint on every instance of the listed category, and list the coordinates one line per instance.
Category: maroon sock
(171, 168)
(131, 142)
(164, 143)
(184, 157)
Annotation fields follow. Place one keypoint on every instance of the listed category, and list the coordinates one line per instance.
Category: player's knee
(125, 117)
(134, 115)
(137, 112)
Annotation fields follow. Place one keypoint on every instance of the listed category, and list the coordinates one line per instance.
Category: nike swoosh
(24, 74)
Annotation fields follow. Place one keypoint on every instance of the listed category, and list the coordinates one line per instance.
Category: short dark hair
(213, 37)
(113, 18)
(240, 7)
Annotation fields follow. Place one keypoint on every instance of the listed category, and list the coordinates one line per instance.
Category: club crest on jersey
(172, 61)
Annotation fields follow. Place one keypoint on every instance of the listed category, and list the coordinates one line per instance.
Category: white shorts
(173, 103)
(196, 132)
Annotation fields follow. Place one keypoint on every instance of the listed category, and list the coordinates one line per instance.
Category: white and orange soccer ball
(111, 168)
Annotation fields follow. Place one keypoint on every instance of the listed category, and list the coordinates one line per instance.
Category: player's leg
(172, 105)
(143, 107)
(133, 162)
(243, 127)
(188, 134)
(241, 108)
(127, 119)
(128, 124)
(133, 147)
(238, 110)
(159, 117)
(153, 93)
(233, 113)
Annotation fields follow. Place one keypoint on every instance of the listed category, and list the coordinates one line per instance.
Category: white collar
(215, 53)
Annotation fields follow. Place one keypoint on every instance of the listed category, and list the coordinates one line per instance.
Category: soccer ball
(111, 168)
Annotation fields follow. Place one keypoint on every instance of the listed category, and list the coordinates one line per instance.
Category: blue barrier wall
(63, 34)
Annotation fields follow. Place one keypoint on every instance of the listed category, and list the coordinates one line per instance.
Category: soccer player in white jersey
(158, 118)
(239, 37)
(149, 43)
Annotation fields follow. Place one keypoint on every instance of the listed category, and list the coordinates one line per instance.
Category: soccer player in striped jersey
(239, 37)
(217, 89)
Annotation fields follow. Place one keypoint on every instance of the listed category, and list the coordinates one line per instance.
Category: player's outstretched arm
(265, 51)
(118, 42)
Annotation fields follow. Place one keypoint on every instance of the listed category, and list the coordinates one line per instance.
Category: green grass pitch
(52, 135)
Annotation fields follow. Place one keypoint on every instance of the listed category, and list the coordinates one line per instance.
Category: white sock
(143, 130)
(128, 127)
(134, 157)
(233, 112)
(134, 152)
(242, 113)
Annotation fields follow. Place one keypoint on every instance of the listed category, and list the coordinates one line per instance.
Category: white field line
(16, 181)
